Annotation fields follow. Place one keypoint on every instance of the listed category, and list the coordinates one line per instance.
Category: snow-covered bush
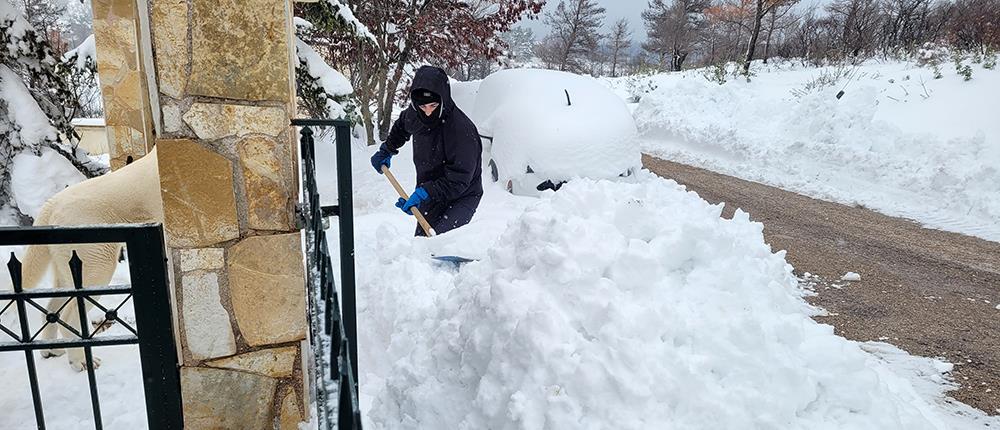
(990, 60)
(82, 62)
(715, 73)
(932, 54)
(963, 70)
(36, 103)
(322, 91)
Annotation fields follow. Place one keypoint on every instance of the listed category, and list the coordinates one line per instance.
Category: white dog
(126, 196)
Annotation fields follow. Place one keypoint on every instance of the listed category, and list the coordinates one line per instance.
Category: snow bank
(899, 141)
(688, 323)
(533, 124)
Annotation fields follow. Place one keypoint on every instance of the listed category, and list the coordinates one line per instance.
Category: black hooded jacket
(447, 151)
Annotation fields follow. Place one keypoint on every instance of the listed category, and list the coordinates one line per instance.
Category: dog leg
(51, 330)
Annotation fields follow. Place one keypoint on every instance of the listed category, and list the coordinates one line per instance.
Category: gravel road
(929, 292)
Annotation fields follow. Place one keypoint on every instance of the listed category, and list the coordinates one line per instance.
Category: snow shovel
(428, 230)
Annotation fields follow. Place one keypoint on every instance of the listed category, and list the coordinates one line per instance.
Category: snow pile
(560, 124)
(899, 141)
(615, 305)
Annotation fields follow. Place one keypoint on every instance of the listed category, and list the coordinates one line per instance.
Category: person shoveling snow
(447, 154)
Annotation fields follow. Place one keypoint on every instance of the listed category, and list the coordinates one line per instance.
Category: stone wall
(226, 157)
(123, 80)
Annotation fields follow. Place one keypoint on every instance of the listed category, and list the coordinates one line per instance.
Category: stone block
(207, 328)
(211, 121)
(269, 183)
(216, 399)
(169, 24)
(272, 362)
(202, 259)
(172, 122)
(290, 416)
(267, 289)
(199, 202)
(241, 50)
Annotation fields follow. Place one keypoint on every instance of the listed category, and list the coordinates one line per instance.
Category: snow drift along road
(627, 305)
(899, 142)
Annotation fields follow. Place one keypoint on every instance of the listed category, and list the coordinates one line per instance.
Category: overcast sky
(616, 9)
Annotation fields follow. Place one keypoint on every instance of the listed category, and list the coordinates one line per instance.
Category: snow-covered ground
(65, 393)
(609, 304)
(899, 141)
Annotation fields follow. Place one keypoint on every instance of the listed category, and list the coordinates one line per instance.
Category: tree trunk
(388, 96)
(754, 34)
(677, 60)
(770, 31)
(614, 65)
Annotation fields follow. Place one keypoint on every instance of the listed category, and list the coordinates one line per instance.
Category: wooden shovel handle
(416, 212)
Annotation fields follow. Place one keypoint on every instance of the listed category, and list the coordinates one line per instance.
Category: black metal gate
(149, 291)
(334, 338)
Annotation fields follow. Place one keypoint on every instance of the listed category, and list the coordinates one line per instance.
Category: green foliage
(715, 73)
(964, 70)
(990, 60)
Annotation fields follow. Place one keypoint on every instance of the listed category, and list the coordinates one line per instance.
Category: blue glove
(418, 196)
(381, 158)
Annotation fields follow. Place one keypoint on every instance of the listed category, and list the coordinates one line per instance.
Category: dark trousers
(448, 216)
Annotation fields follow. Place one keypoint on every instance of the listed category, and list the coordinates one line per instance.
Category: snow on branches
(36, 100)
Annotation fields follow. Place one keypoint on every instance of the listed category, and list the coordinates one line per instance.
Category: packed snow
(587, 310)
(899, 141)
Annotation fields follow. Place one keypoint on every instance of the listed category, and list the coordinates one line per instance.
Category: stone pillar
(228, 177)
(127, 112)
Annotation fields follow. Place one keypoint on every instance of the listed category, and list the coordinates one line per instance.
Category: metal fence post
(148, 268)
(346, 219)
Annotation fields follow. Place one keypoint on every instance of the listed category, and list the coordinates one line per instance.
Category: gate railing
(153, 330)
(334, 338)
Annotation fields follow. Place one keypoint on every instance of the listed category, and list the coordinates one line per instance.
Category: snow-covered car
(544, 127)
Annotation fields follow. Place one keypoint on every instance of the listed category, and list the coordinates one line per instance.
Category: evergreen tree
(36, 101)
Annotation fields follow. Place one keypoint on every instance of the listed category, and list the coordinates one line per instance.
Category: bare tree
(575, 34)
(673, 30)
(760, 9)
(858, 20)
(776, 22)
(619, 43)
